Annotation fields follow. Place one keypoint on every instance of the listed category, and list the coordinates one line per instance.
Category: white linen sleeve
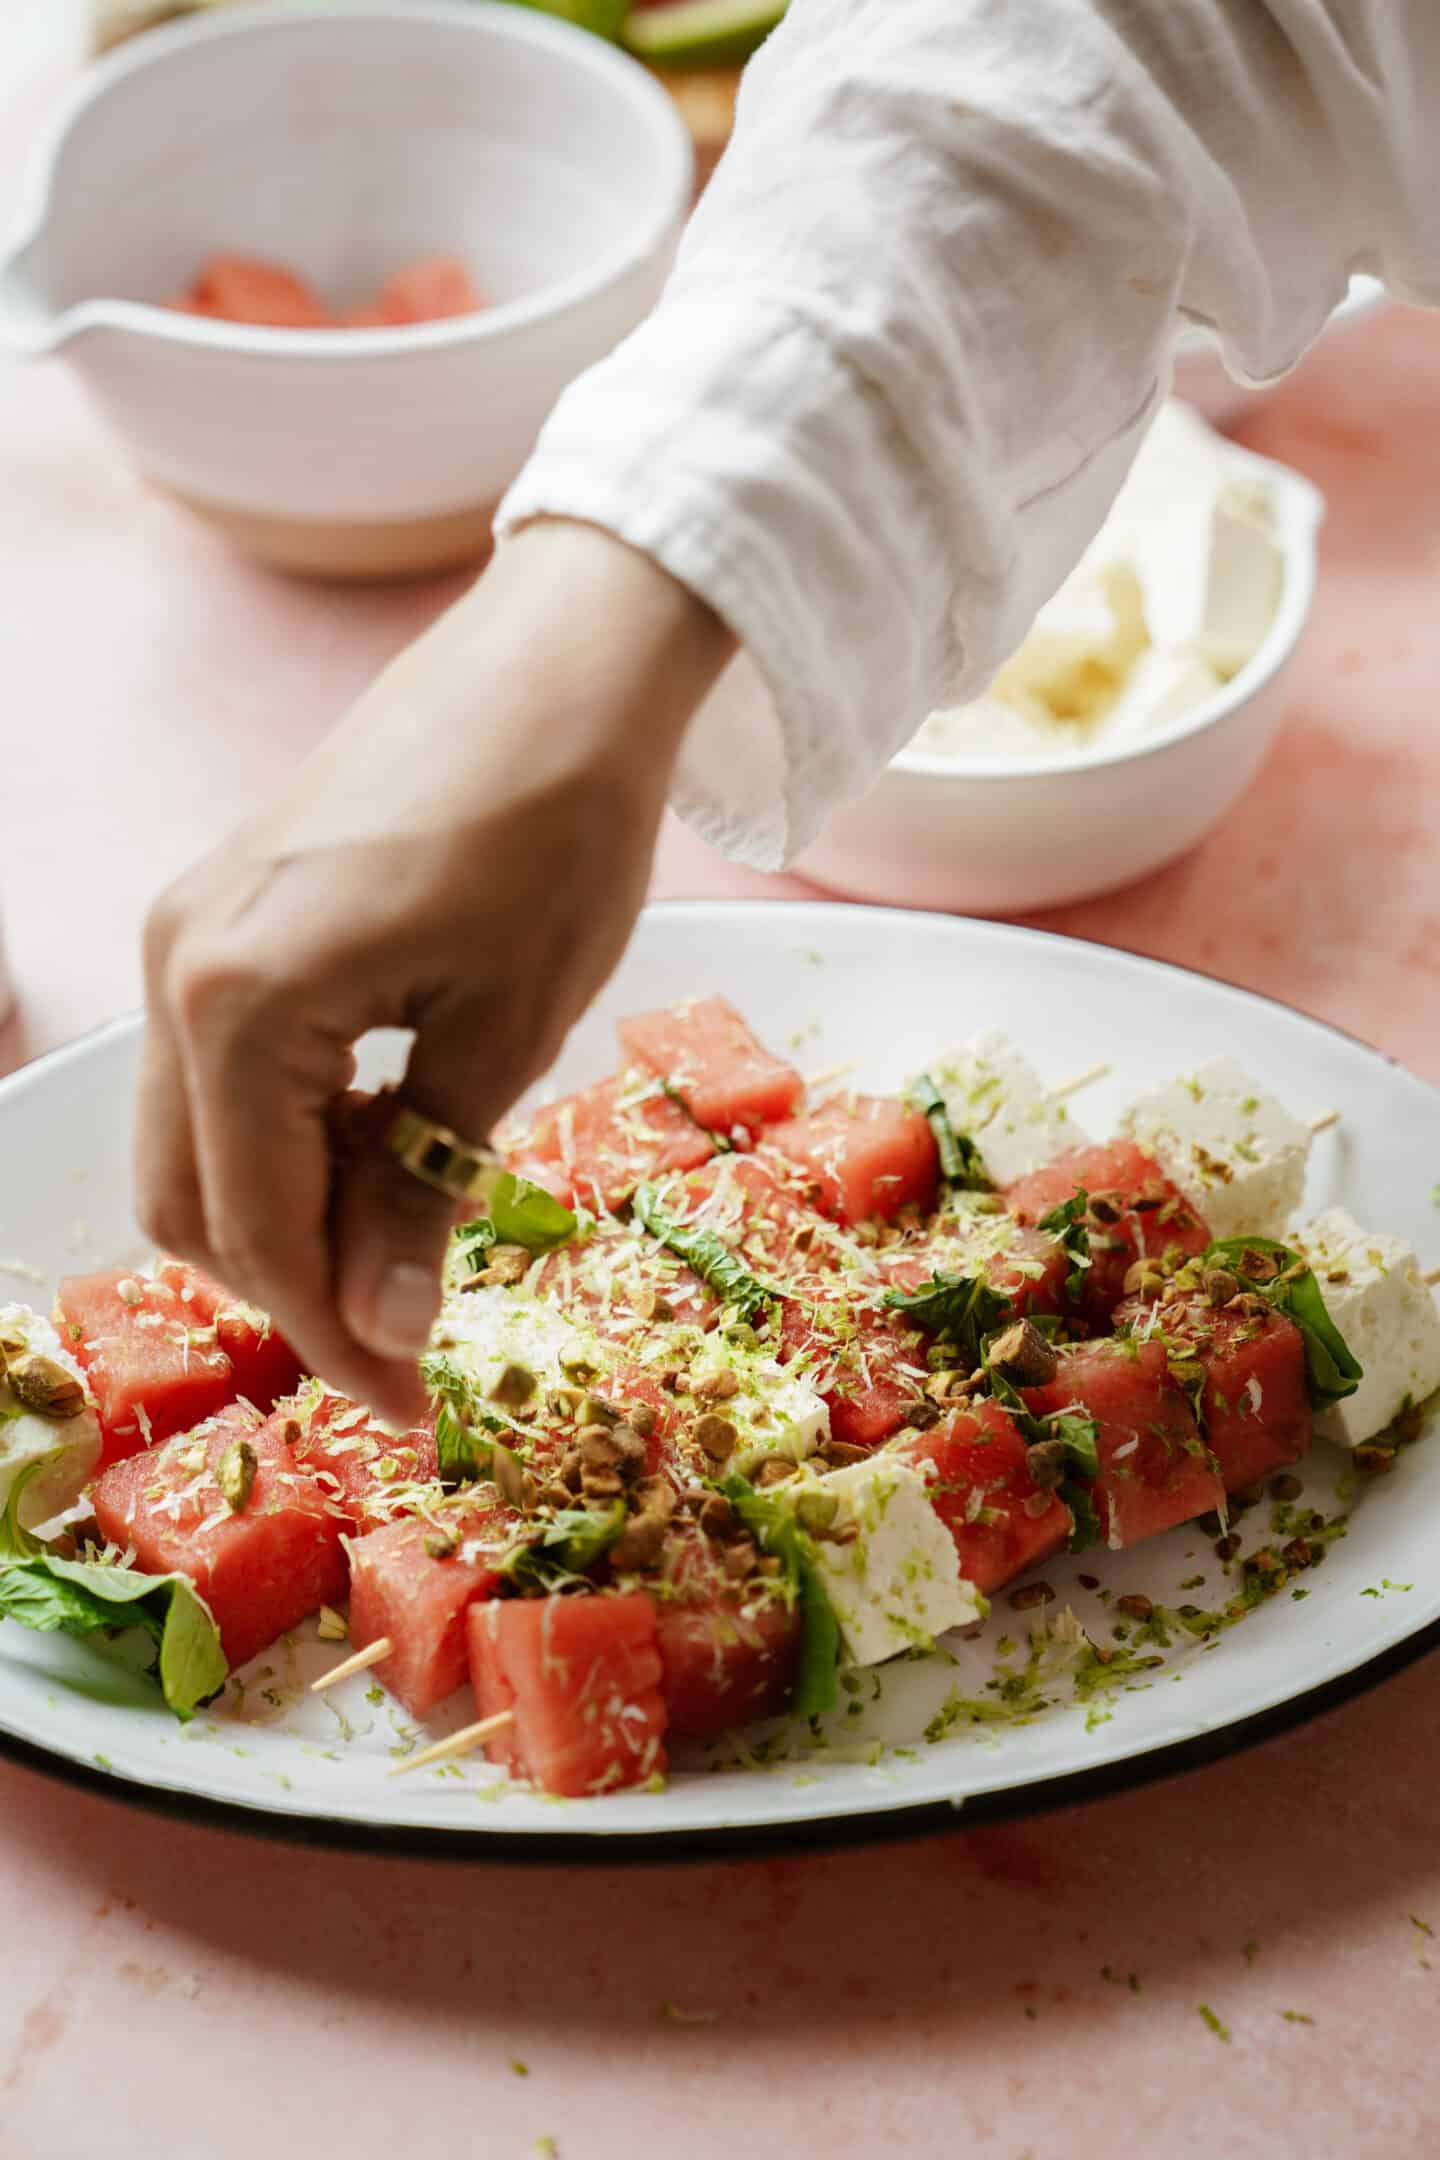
(924, 312)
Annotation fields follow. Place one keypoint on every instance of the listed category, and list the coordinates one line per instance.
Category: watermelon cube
(978, 1476)
(1255, 1403)
(1135, 1213)
(582, 1679)
(867, 1364)
(862, 1157)
(1155, 1469)
(366, 1471)
(706, 1053)
(261, 1566)
(153, 1369)
(405, 1585)
(430, 290)
(595, 1148)
(245, 289)
(264, 1364)
(728, 1650)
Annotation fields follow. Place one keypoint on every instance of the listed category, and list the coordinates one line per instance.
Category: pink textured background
(169, 1991)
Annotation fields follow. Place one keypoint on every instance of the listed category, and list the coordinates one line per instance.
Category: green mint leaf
(707, 1254)
(86, 1597)
(571, 1542)
(961, 1167)
(772, 1524)
(1084, 1522)
(463, 1444)
(1332, 1369)
(1067, 1222)
(958, 1309)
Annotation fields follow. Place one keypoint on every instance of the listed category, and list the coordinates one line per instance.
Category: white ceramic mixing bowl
(997, 837)
(345, 142)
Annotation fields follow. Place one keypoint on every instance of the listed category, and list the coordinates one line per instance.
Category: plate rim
(818, 1833)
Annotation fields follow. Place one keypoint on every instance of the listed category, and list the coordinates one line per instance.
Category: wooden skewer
(1323, 1120)
(1079, 1080)
(1432, 1278)
(463, 1742)
(361, 1661)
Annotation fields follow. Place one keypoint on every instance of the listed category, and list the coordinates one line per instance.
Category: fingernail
(405, 1306)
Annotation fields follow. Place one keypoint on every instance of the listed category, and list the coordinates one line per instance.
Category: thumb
(390, 1229)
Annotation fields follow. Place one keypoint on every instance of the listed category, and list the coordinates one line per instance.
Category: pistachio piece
(1143, 1279)
(776, 1470)
(639, 1543)
(441, 1544)
(509, 1474)
(716, 1386)
(44, 1386)
(599, 1449)
(564, 1403)
(595, 1410)
(514, 1387)
(1219, 1285)
(642, 1419)
(816, 1510)
(12, 1344)
(717, 1517)
(1047, 1463)
(507, 1263)
(235, 1474)
(715, 1435)
(1021, 1355)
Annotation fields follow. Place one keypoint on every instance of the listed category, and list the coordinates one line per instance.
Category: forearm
(925, 310)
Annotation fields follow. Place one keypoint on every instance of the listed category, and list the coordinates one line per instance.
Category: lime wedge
(604, 17)
(695, 33)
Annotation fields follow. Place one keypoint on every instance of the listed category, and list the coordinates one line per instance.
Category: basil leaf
(961, 1168)
(572, 1541)
(707, 1254)
(1084, 1522)
(1067, 1222)
(1080, 1435)
(520, 1214)
(1332, 1369)
(86, 1597)
(16, 1542)
(959, 1309)
(774, 1528)
(462, 1444)
(1006, 1393)
(474, 1240)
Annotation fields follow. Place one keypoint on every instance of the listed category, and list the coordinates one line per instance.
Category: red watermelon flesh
(1143, 1216)
(596, 1147)
(367, 1471)
(727, 1080)
(1255, 1404)
(265, 1366)
(865, 1157)
(260, 1569)
(150, 1368)
(419, 1599)
(727, 1651)
(582, 1676)
(1155, 1470)
(980, 1483)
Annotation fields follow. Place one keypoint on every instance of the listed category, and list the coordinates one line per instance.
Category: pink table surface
(201, 1994)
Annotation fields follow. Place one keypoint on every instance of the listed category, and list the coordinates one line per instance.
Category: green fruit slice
(604, 17)
(695, 33)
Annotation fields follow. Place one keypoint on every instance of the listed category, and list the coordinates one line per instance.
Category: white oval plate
(830, 985)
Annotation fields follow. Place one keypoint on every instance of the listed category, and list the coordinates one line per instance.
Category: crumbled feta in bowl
(1132, 717)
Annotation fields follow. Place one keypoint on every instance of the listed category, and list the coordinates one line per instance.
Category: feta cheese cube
(487, 1333)
(1081, 645)
(775, 1412)
(898, 1584)
(992, 1094)
(1376, 1296)
(1235, 1152)
(26, 1438)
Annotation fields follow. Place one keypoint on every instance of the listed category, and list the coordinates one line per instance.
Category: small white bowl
(1001, 837)
(1200, 373)
(345, 142)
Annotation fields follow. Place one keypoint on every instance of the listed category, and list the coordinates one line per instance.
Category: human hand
(464, 856)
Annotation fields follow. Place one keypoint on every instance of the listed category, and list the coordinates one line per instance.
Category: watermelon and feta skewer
(152, 1368)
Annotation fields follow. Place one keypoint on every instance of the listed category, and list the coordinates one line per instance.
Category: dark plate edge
(893, 1826)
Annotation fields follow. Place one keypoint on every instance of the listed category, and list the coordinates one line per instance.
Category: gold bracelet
(440, 1158)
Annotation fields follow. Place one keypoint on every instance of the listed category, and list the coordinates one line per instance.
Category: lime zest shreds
(705, 1252)
(1221, 2031)
(962, 1168)
(1332, 1369)
(773, 1525)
